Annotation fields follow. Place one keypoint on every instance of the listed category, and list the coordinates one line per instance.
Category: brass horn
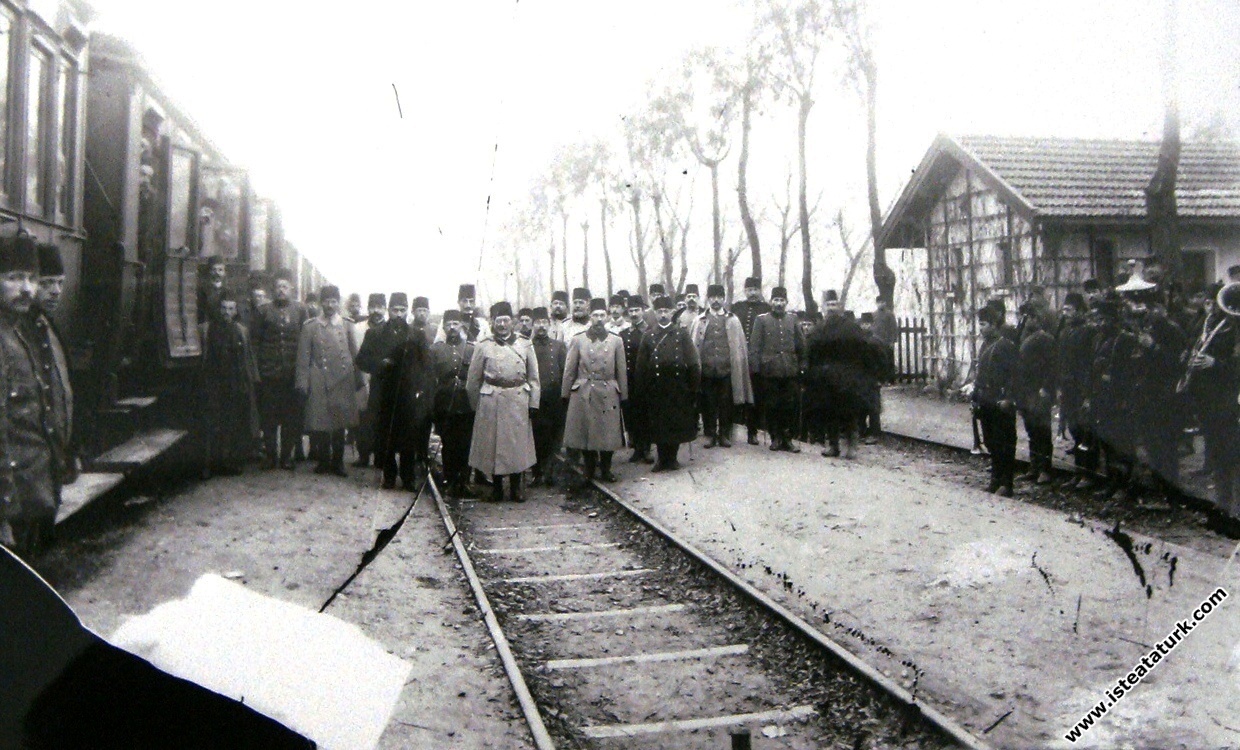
(1228, 299)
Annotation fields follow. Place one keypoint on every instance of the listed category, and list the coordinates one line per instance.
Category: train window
(36, 128)
(6, 34)
(221, 212)
(180, 213)
(66, 127)
(258, 234)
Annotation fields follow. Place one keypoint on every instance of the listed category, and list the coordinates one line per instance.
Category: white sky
(301, 93)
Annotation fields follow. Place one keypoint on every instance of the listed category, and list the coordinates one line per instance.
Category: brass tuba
(1228, 301)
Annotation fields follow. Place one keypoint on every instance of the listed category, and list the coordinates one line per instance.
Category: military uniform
(747, 313)
(724, 358)
(453, 414)
(503, 386)
(595, 383)
(275, 336)
(668, 377)
(374, 356)
(326, 374)
(54, 372)
(406, 388)
(842, 368)
(1212, 390)
(634, 413)
(994, 405)
(777, 357)
(1112, 392)
(1034, 385)
(29, 492)
(1074, 362)
(548, 423)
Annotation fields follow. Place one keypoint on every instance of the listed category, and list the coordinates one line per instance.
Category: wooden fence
(911, 352)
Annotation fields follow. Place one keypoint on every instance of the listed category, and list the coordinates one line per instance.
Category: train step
(89, 486)
(138, 451)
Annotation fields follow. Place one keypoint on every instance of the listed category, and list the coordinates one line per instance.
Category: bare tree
(861, 72)
(788, 225)
(1160, 200)
(655, 148)
(796, 32)
(852, 257)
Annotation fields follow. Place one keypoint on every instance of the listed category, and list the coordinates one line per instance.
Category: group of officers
(506, 391)
(1133, 370)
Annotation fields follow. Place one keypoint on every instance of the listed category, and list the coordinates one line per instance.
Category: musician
(1076, 344)
(1211, 383)
(1161, 343)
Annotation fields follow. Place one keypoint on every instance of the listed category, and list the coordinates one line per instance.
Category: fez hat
(1075, 299)
(656, 290)
(560, 295)
(635, 300)
(598, 303)
(753, 282)
(998, 305)
(421, 303)
(376, 299)
(525, 312)
(691, 289)
(18, 254)
(312, 298)
(990, 314)
(622, 293)
(715, 290)
(1228, 299)
(501, 309)
(539, 313)
(617, 299)
(867, 317)
(780, 292)
(49, 260)
(451, 315)
(830, 296)
(1107, 307)
(283, 274)
(355, 296)
(663, 302)
(581, 293)
(1090, 285)
(466, 291)
(213, 260)
(330, 291)
(398, 299)
(680, 297)
(1027, 308)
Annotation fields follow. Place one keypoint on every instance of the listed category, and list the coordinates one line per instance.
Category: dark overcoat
(1076, 346)
(275, 334)
(842, 369)
(229, 375)
(669, 375)
(406, 395)
(552, 354)
(29, 494)
(634, 413)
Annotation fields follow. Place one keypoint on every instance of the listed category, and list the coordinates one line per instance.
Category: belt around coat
(505, 382)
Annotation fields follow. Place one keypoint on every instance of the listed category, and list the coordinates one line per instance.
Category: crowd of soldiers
(1134, 372)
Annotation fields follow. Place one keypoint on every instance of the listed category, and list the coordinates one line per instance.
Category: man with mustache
(595, 384)
(374, 358)
(668, 375)
(720, 342)
(453, 414)
(549, 421)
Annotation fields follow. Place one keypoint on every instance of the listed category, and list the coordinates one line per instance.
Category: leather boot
(514, 488)
(497, 489)
(605, 474)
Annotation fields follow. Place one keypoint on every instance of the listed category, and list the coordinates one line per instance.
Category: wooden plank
(137, 402)
(737, 649)
(611, 731)
(89, 487)
(139, 450)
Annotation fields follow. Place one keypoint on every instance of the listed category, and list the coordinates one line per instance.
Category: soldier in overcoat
(373, 357)
(634, 413)
(668, 376)
(1212, 380)
(841, 367)
(275, 336)
(29, 491)
(747, 312)
(777, 357)
(453, 413)
(1160, 344)
(53, 360)
(1074, 361)
(595, 384)
(376, 316)
(1112, 389)
(504, 390)
(994, 399)
(548, 422)
(724, 355)
(328, 379)
(1034, 384)
(406, 384)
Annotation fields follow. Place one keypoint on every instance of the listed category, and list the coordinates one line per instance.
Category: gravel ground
(297, 537)
(1008, 615)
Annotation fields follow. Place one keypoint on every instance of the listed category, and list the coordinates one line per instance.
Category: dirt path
(969, 598)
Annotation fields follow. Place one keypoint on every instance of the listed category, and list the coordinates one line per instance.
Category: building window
(180, 199)
(6, 42)
(258, 234)
(66, 127)
(1103, 252)
(36, 128)
(1006, 270)
(220, 214)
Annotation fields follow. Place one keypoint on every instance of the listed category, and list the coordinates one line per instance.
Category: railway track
(615, 633)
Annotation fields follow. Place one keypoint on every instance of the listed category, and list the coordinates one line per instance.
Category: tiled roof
(1073, 178)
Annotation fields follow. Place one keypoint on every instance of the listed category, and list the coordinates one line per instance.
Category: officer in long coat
(376, 316)
(668, 376)
(1075, 354)
(328, 379)
(29, 492)
(595, 383)
(1112, 390)
(503, 389)
(229, 375)
(1034, 383)
(373, 356)
(777, 357)
(841, 370)
(453, 413)
(994, 399)
(548, 423)
(634, 413)
(53, 360)
(406, 384)
(275, 337)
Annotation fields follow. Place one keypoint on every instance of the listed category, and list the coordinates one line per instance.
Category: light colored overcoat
(503, 386)
(595, 382)
(327, 375)
(738, 354)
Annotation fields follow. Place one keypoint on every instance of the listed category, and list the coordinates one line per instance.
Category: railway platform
(1011, 618)
(909, 414)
